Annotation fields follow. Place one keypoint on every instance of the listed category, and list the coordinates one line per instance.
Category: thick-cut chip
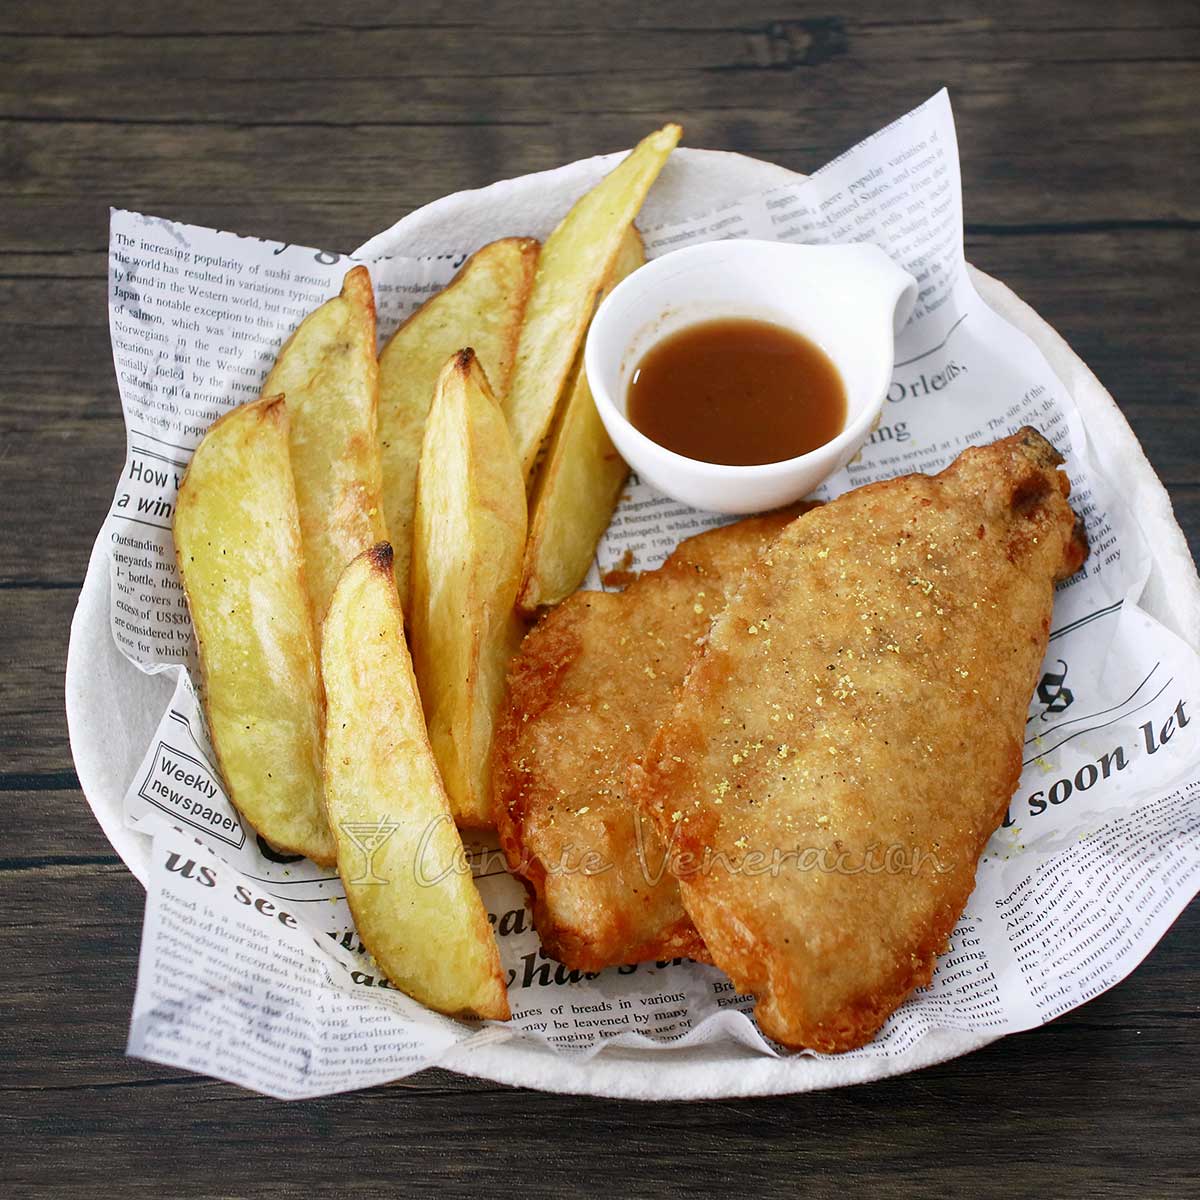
(328, 372)
(575, 262)
(578, 484)
(481, 307)
(237, 541)
(585, 693)
(852, 732)
(468, 537)
(401, 860)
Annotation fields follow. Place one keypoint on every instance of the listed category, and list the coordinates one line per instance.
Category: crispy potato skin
(328, 372)
(859, 711)
(237, 542)
(585, 693)
(414, 902)
(574, 263)
(468, 539)
(578, 484)
(482, 307)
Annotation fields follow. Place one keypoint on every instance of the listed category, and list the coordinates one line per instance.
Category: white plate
(108, 743)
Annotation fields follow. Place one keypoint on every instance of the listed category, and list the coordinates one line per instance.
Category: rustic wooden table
(1078, 127)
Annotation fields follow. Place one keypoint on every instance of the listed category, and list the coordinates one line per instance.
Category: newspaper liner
(250, 969)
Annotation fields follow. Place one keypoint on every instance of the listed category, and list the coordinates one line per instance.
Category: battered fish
(590, 684)
(851, 734)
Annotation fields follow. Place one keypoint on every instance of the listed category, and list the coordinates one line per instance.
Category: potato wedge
(481, 307)
(237, 541)
(401, 860)
(328, 372)
(578, 484)
(468, 539)
(574, 264)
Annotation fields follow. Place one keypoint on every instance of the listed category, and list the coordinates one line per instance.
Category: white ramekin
(849, 299)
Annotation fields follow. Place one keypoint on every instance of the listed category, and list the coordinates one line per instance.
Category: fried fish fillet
(586, 691)
(851, 734)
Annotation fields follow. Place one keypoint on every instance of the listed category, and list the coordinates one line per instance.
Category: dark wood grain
(320, 124)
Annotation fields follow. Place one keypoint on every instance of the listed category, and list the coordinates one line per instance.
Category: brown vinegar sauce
(737, 391)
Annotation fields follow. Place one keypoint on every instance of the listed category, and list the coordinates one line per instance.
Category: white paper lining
(1097, 857)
